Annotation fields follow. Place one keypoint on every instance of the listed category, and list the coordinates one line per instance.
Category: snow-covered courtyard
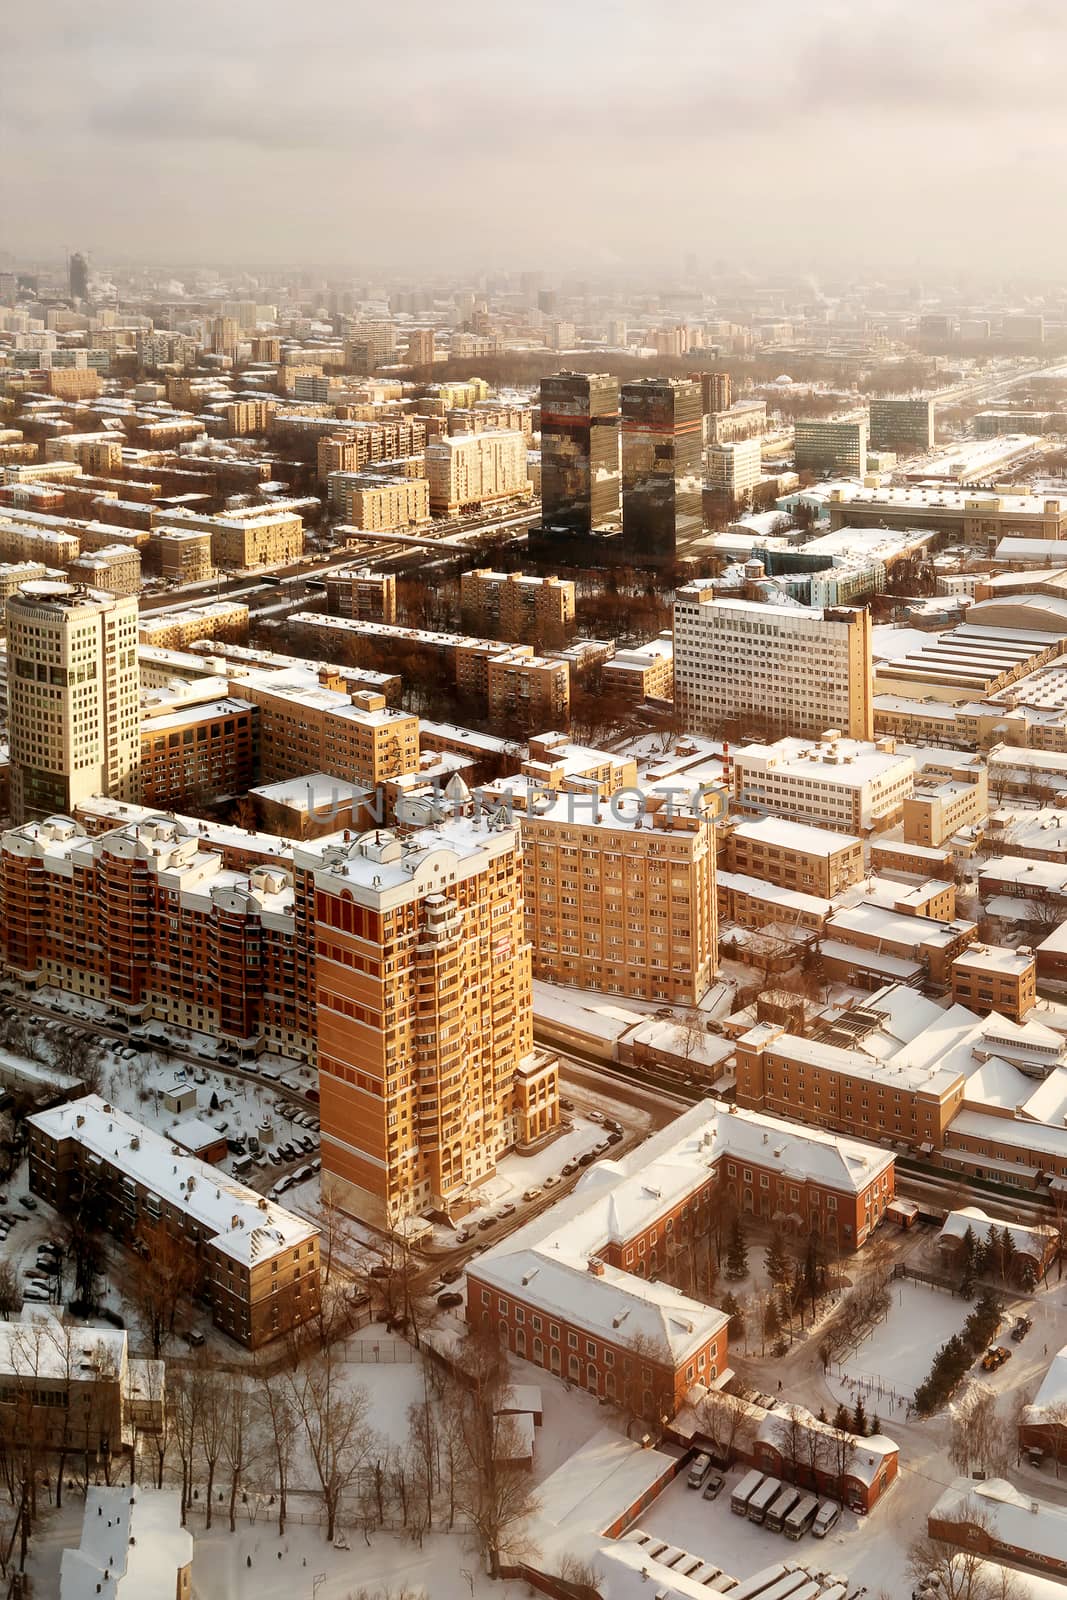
(891, 1363)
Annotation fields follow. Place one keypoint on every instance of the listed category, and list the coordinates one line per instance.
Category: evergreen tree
(970, 1247)
(730, 1304)
(859, 1419)
(776, 1260)
(822, 1417)
(842, 1420)
(736, 1252)
(876, 1423)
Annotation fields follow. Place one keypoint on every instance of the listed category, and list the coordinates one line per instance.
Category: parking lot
(864, 1549)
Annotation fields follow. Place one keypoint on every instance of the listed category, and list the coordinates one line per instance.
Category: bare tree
(491, 1486)
(980, 1439)
(727, 1422)
(334, 1419)
(580, 1578)
(10, 1289)
(166, 1275)
(185, 1411)
(841, 1446)
(238, 1442)
(644, 1390)
(215, 1397)
(961, 1574)
(424, 1449)
(281, 1423)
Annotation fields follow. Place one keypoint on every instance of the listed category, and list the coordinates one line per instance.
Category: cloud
(574, 132)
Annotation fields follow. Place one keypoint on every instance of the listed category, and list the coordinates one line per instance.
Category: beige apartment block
(224, 620)
(990, 977)
(254, 536)
(380, 503)
(529, 690)
(116, 569)
(24, 541)
(183, 555)
(937, 810)
(517, 605)
(13, 574)
(476, 470)
(304, 727)
(362, 443)
(248, 416)
(644, 673)
(73, 697)
(741, 664)
(794, 855)
(359, 592)
(619, 894)
(852, 785)
(427, 1068)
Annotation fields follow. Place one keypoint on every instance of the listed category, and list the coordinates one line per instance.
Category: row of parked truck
(782, 1507)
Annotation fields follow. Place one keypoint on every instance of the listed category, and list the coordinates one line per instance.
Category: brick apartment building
(587, 1289)
(517, 605)
(427, 1070)
(193, 750)
(310, 722)
(358, 592)
(257, 1265)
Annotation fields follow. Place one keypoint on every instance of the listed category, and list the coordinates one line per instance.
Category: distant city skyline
(591, 138)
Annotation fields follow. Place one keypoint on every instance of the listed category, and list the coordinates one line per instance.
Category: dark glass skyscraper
(78, 276)
(579, 451)
(661, 465)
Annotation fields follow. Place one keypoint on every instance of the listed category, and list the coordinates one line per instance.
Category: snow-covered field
(893, 1361)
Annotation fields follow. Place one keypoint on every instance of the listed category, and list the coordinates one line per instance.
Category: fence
(873, 1387)
(382, 1352)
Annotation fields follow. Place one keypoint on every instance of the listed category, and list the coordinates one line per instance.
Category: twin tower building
(623, 462)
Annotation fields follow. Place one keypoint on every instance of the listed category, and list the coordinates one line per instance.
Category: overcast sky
(560, 133)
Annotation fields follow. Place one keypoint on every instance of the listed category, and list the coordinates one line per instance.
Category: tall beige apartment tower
(73, 698)
(427, 1067)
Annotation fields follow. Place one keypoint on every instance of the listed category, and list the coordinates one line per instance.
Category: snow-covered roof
(797, 836)
(40, 1345)
(1015, 1519)
(1052, 1391)
(1033, 1242)
(547, 1262)
(132, 1546)
(237, 1221)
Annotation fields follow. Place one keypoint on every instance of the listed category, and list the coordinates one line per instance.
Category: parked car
(446, 1301)
(552, 1180)
(569, 1167)
(194, 1338)
(450, 1274)
(1021, 1329)
(565, 1105)
(597, 1116)
(614, 1138)
(533, 1193)
(712, 1484)
(28, 1201)
(307, 1144)
(587, 1159)
(462, 1235)
(506, 1210)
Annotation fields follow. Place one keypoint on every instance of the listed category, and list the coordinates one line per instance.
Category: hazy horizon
(606, 138)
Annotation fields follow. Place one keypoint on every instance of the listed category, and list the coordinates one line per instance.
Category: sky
(568, 135)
